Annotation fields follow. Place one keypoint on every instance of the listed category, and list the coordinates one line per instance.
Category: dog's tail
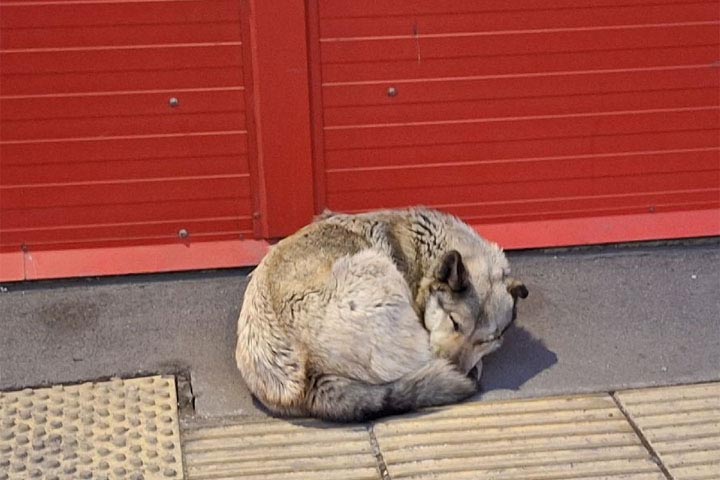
(340, 399)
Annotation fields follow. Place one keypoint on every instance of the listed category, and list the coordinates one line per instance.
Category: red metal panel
(281, 115)
(95, 154)
(512, 114)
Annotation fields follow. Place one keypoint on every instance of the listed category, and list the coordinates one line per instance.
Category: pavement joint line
(382, 467)
(646, 443)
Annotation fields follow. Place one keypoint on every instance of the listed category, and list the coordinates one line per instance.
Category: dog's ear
(452, 271)
(517, 289)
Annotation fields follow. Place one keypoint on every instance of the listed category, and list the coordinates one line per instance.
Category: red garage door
(164, 135)
(540, 122)
(123, 124)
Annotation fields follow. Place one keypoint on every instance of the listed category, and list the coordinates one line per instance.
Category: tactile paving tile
(279, 450)
(555, 438)
(682, 425)
(105, 430)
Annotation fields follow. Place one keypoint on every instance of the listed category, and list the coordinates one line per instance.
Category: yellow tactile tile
(279, 450)
(117, 429)
(682, 425)
(555, 438)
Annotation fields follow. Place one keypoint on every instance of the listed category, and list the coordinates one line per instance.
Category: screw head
(174, 102)
(392, 92)
(183, 233)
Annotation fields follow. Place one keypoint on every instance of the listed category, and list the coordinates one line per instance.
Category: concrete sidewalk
(599, 324)
(597, 320)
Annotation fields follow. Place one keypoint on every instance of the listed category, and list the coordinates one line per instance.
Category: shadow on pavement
(521, 358)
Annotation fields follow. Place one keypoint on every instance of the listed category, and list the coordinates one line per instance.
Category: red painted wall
(506, 112)
(542, 123)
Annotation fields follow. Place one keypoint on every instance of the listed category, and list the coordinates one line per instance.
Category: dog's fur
(359, 316)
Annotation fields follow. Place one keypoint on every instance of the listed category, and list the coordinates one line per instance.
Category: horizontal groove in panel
(450, 21)
(508, 129)
(334, 474)
(418, 176)
(125, 212)
(124, 105)
(706, 457)
(124, 169)
(158, 124)
(268, 440)
(450, 448)
(550, 105)
(534, 405)
(683, 405)
(128, 241)
(400, 72)
(168, 229)
(200, 454)
(271, 464)
(475, 89)
(515, 118)
(567, 211)
(488, 437)
(369, 8)
(259, 428)
(607, 470)
(65, 154)
(597, 190)
(495, 421)
(137, 60)
(120, 137)
(673, 433)
(189, 32)
(683, 418)
(665, 394)
(696, 444)
(111, 193)
(166, 79)
(554, 148)
(516, 43)
(112, 13)
(634, 454)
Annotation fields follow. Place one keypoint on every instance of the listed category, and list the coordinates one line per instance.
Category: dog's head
(469, 305)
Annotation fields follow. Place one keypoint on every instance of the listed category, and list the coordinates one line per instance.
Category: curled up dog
(360, 316)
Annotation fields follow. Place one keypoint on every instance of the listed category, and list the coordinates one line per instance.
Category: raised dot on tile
(135, 462)
(169, 472)
(119, 442)
(168, 458)
(85, 474)
(135, 448)
(22, 428)
(103, 465)
(36, 458)
(102, 451)
(35, 473)
(153, 468)
(119, 471)
(69, 469)
(168, 432)
(22, 439)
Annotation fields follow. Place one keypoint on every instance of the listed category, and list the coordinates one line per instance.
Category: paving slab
(524, 439)
(279, 450)
(115, 429)
(598, 319)
(682, 426)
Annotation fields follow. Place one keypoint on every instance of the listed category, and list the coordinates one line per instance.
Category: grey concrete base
(596, 320)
